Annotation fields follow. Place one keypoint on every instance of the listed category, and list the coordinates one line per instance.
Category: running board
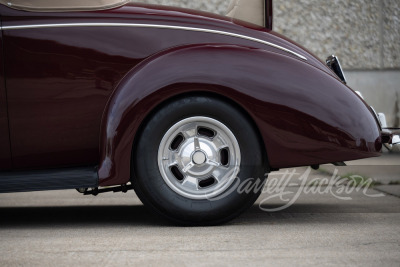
(50, 179)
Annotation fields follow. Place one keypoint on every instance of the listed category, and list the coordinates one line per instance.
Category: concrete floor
(323, 227)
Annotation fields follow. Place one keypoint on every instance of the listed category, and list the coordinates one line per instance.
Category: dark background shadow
(78, 216)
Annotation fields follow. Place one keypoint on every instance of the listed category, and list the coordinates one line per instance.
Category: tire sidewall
(156, 193)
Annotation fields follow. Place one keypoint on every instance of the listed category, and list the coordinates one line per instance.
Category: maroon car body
(77, 87)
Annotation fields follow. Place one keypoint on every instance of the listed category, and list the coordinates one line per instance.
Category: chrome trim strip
(35, 26)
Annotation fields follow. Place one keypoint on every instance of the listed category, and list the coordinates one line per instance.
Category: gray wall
(365, 34)
(214, 6)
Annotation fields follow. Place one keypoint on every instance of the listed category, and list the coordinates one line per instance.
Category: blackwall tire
(198, 161)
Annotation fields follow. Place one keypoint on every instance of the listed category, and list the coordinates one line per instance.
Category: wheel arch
(155, 80)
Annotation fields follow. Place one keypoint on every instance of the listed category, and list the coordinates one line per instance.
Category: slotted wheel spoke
(221, 174)
(213, 163)
(189, 131)
(219, 142)
(174, 163)
(191, 183)
(171, 158)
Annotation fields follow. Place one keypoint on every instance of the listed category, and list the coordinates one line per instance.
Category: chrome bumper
(390, 135)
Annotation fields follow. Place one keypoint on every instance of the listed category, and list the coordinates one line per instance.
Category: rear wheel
(198, 161)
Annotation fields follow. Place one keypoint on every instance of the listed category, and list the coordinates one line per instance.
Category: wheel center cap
(199, 157)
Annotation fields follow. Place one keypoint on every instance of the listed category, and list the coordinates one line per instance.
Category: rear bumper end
(390, 136)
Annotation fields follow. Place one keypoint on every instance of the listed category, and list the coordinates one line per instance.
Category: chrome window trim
(137, 25)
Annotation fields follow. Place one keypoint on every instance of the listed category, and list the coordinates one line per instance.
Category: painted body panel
(305, 115)
(78, 94)
(62, 77)
(5, 155)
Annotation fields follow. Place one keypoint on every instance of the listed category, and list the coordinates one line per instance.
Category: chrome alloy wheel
(199, 157)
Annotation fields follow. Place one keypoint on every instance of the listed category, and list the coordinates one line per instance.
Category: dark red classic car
(180, 105)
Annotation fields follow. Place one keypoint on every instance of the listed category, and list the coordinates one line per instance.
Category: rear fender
(305, 115)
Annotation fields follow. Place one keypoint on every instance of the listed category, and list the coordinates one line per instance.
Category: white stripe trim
(33, 26)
